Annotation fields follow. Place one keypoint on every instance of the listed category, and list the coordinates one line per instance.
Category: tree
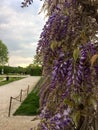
(37, 60)
(3, 53)
(68, 97)
(34, 70)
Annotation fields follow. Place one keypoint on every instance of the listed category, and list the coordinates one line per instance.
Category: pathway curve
(13, 89)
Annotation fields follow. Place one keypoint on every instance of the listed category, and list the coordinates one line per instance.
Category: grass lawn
(11, 79)
(30, 105)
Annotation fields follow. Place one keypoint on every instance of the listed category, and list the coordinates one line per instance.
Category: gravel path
(13, 89)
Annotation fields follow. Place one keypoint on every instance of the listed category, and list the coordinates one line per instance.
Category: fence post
(28, 90)
(21, 95)
(10, 106)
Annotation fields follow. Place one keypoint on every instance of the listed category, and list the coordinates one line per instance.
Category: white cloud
(20, 28)
(20, 61)
(30, 46)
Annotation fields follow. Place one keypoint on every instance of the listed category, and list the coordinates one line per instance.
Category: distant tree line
(32, 70)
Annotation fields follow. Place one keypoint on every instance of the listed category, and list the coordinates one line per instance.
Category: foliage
(69, 52)
(34, 70)
(26, 3)
(3, 53)
(37, 60)
(13, 70)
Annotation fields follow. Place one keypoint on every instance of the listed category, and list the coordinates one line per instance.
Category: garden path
(13, 89)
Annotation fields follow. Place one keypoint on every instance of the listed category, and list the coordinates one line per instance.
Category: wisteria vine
(69, 51)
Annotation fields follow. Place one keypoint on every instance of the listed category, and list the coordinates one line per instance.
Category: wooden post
(21, 95)
(10, 106)
(28, 90)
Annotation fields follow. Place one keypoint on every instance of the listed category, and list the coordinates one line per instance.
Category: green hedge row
(32, 70)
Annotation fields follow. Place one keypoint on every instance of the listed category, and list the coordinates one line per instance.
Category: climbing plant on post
(69, 50)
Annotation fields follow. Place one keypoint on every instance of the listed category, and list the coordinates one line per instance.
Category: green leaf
(60, 43)
(92, 101)
(69, 103)
(76, 117)
(83, 36)
(53, 45)
(76, 54)
(94, 58)
(66, 11)
(77, 98)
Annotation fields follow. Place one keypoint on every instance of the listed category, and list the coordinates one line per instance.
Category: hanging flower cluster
(69, 52)
(66, 47)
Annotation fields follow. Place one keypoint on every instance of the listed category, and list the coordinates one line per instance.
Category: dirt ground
(13, 89)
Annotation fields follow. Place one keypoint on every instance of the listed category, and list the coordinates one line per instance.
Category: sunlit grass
(30, 106)
(11, 79)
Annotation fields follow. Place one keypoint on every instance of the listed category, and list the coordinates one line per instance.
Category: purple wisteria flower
(69, 79)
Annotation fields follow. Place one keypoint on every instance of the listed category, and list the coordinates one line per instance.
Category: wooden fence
(18, 98)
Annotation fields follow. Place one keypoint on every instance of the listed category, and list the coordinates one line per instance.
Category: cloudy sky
(20, 29)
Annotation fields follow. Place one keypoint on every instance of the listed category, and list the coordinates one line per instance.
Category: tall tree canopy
(69, 49)
(3, 53)
(37, 60)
